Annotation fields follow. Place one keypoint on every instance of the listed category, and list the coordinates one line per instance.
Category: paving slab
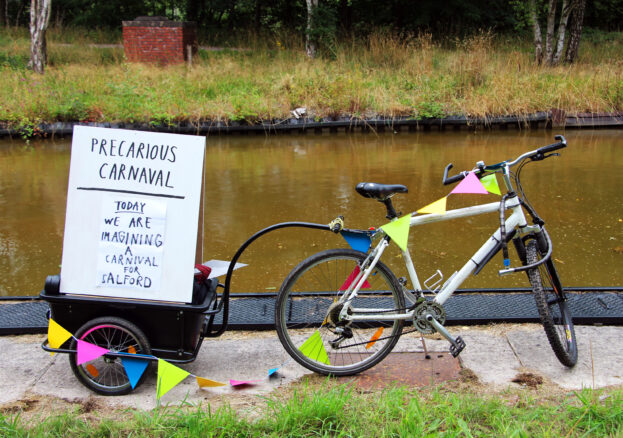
(489, 356)
(600, 357)
(23, 362)
(495, 356)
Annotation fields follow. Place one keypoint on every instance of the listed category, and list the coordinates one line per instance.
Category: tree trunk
(3, 17)
(310, 43)
(549, 34)
(575, 31)
(536, 30)
(39, 18)
(567, 7)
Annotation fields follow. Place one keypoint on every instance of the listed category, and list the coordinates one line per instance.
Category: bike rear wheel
(552, 306)
(307, 314)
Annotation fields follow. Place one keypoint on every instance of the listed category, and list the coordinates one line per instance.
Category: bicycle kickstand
(426, 355)
(456, 344)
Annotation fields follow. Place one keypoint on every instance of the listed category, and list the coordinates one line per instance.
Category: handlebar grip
(562, 143)
(452, 179)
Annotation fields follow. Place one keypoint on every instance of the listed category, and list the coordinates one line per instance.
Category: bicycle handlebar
(562, 143)
(456, 178)
(536, 155)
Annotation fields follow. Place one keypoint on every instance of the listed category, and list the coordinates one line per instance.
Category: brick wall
(158, 40)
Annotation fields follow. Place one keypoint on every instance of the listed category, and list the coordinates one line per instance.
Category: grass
(383, 75)
(338, 410)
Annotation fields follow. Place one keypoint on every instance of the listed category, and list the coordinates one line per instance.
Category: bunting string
(135, 364)
(398, 230)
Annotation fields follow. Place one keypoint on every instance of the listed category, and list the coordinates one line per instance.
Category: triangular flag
(399, 231)
(272, 371)
(242, 382)
(57, 335)
(207, 383)
(471, 184)
(168, 376)
(134, 368)
(351, 278)
(88, 351)
(490, 183)
(314, 349)
(357, 241)
(439, 206)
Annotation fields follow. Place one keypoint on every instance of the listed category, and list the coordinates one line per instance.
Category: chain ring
(419, 318)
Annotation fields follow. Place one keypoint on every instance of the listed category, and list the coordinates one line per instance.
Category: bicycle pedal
(457, 347)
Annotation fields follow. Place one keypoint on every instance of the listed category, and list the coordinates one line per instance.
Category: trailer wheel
(106, 374)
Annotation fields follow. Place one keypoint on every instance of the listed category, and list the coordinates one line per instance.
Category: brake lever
(540, 157)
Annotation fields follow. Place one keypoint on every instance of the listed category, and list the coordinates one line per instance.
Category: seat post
(391, 213)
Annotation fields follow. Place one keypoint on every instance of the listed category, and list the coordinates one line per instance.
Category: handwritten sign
(131, 243)
(132, 214)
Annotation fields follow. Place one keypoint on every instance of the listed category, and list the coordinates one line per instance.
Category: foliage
(220, 21)
(385, 74)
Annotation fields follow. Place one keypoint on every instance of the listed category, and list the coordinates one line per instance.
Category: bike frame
(516, 220)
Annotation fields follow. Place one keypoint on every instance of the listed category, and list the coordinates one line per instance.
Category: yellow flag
(57, 335)
(399, 231)
(207, 383)
(168, 377)
(314, 348)
(439, 206)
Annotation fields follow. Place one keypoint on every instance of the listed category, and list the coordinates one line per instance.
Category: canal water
(255, 181)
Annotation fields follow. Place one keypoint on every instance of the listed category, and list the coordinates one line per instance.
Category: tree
(555, 35)
(39, 19)
(310, 41)
(3, 15)
(575, 31)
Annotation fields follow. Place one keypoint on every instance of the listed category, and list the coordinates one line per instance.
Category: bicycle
(341, 311)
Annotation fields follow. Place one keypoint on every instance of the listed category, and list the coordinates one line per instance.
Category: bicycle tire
(302, 314)
(106, 374)
(552, 307)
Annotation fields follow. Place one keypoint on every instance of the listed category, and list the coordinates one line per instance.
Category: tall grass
(385, 74)
(338, 410)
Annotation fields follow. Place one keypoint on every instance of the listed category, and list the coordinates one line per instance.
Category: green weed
(339, 410)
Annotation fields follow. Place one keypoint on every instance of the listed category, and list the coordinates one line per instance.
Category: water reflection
(256, 181)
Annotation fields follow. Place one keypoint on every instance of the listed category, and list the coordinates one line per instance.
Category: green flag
(491, 184)
(399, 231)
(314, 348)
(168, 376)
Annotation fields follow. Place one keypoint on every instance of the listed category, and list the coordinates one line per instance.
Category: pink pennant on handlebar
(471, 184)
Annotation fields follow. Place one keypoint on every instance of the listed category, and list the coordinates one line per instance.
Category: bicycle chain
(420, 324)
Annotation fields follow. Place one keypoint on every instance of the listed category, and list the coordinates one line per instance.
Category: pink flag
(471, 184)
(351, 278)
(242, 382)
(88, 351)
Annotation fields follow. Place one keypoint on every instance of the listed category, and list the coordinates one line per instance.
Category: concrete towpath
(495, 354)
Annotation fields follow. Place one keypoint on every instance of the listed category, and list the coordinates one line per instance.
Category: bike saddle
(380, 192)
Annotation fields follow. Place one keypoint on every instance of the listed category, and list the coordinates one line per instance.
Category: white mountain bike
(342, 311)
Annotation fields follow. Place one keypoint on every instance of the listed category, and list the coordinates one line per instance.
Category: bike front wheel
(552, 306)
(308, 308)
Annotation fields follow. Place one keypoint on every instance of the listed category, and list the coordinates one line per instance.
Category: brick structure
(158, 40)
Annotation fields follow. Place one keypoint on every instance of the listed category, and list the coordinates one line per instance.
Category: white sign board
(132, 214)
